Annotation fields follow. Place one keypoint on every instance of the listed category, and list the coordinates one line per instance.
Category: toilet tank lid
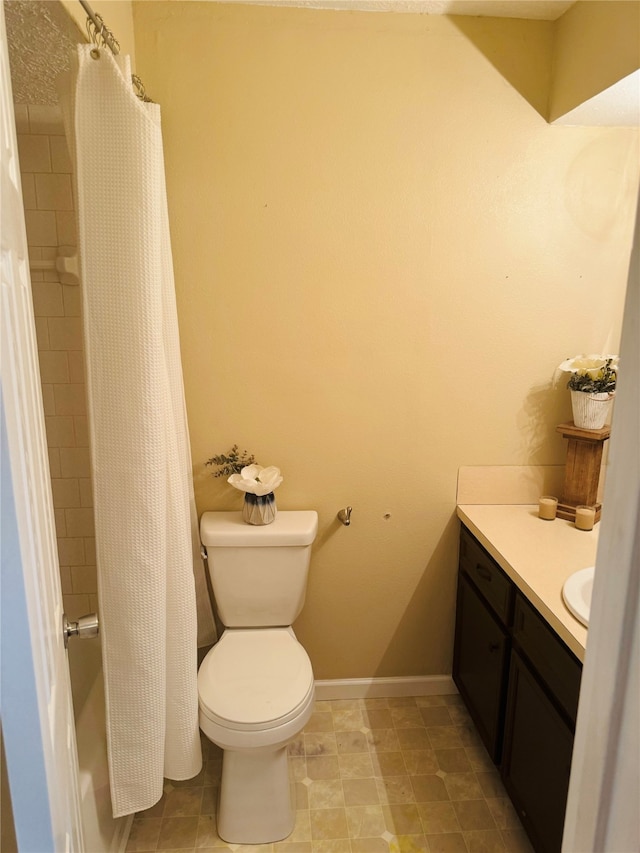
(228, 530)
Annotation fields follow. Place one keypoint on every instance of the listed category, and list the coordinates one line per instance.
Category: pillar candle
(547, 507)
(585, 517)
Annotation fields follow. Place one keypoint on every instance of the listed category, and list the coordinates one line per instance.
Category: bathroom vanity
(518, 653)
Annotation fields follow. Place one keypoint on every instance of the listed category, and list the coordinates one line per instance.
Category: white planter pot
(590, 411)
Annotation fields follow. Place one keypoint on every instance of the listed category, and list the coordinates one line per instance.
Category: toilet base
(256, 804)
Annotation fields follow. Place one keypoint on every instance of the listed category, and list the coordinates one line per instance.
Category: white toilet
(255, 686)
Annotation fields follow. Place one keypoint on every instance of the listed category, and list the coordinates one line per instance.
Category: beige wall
(597, 43)
(382, 252)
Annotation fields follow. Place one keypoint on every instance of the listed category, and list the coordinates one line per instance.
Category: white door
(35, 699)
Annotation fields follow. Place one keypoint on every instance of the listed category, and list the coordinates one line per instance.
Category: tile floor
(405, 775)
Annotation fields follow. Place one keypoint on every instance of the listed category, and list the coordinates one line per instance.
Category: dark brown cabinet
(520, 683)
(537, 757)
(480, 665)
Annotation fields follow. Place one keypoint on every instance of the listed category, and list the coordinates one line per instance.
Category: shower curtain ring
(101, 37)
(92, 32)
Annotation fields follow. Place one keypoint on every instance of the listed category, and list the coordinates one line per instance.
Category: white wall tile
(47, 299)
(42, 229)
(65, 581)
(65, 333)
(74, 462)
(42, 332)
(54, 366)
(76, 606)
(79, 522)
(54, 461)
(61, 523)
(60, 433)
(28, 182)
(82, 429)
(76, 366)
(51, 222)
(22, 118)
(65, 492)
(48, 400)
(71, 296)
(90, 551)
(71, 552)
(53, 192)
(84, 579)
(86, 491)
(60, 160)
(45, 119)
(70, 399)
(66, 224)
(34, 154)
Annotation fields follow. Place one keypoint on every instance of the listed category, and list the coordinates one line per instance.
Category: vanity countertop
(538, 556)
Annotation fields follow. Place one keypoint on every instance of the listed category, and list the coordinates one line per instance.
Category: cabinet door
(479, 664)
(537, 758)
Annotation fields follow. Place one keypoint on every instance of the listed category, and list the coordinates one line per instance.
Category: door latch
(86, 626)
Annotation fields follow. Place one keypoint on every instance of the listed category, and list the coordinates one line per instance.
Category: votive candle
(585, 517)
(547, 507)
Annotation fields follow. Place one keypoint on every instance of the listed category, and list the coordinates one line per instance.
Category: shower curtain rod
(99, 33)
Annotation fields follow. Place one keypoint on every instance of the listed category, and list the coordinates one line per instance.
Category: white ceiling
(41, 38)
(542, 10)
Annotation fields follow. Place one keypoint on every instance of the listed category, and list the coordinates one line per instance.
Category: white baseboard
(362, 688)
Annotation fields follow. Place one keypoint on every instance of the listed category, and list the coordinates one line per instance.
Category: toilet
(256, 686)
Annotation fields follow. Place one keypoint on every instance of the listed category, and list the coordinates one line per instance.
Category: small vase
(259, 509)
(590, 410)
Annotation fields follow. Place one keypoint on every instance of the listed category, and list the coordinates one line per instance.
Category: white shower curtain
(149, 563)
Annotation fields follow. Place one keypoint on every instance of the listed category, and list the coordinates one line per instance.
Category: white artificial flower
(256, 479)
(588, 365)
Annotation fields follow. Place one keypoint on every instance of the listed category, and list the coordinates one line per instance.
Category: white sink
(576, 593)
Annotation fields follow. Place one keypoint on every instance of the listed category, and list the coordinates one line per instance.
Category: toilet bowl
(255, 695)
(256, 686)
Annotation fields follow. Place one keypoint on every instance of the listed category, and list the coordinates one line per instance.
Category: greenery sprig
(232, 462)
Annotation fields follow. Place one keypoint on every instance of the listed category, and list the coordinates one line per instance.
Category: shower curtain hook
(140, 90)
(91, 30)
(101, 36)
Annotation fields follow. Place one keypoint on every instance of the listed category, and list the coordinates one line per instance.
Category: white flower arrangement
(256, 480)
(591, 374)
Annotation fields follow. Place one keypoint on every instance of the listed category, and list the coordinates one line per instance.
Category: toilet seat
(255, 680)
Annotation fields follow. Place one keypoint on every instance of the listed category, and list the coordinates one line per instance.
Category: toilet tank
(258, 573)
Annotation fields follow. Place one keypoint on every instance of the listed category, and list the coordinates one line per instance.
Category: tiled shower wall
(48, 200)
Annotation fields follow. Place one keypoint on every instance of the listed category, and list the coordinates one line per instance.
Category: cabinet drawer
(487, 576)
(555, 664)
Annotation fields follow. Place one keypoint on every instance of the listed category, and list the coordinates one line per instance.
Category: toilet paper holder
(345, 516)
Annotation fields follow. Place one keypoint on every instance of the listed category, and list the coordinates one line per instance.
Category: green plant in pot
(592, 384)
(257, 483)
